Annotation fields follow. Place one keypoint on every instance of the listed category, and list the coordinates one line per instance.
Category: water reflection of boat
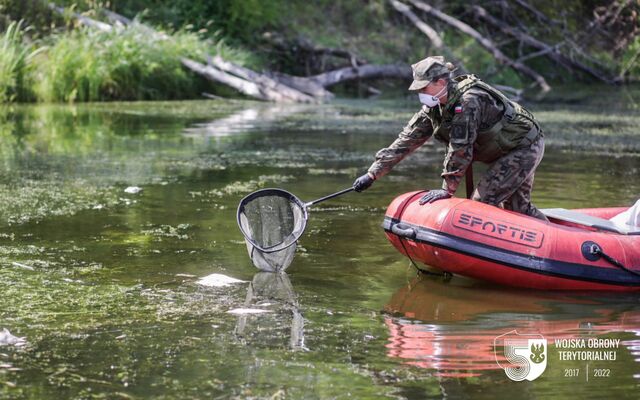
(274, 292)
(450, 327)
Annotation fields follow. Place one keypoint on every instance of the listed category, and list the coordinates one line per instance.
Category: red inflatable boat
(577, 250)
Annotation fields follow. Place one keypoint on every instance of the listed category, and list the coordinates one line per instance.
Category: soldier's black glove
(363, 183)
(434, 195)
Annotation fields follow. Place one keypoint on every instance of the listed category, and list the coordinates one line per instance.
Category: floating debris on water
(133, 190)
(23, 266)
(218, 280)
(7, 339)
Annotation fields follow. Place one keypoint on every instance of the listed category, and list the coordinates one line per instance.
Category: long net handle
(331, 196)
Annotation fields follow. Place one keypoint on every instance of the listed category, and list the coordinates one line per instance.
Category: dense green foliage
(238, 20)
(86, 65)
(15, 64)
(80, 65)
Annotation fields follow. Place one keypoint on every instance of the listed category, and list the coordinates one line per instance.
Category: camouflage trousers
(509, 180)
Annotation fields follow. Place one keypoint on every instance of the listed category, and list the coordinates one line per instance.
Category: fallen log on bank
(268, 86)
(305, 85)
(370, 71)
(488, 44)
(278, 91)
(243, 86)
(242, 79)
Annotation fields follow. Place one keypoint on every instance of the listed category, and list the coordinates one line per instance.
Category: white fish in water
(244, 311)
(7, 339)
(218, 280)
(133, 190)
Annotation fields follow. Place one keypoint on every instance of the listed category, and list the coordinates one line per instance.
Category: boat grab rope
(597, 251)
(418, 269)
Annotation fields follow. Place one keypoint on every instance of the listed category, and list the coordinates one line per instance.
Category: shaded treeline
(516, 43)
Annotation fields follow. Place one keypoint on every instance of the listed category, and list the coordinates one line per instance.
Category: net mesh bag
(271, 220)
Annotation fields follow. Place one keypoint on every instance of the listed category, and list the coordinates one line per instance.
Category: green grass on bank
(88, 65)
(16, 65)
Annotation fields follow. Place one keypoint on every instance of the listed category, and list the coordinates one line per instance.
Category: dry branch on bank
(539, 16)
(278, 91)
(552, 52)
(370, 71)
(92, 23)
(244, 86)
(242, 79)
(488, 44)
(438, 44)
(305, 85)
(431, 33)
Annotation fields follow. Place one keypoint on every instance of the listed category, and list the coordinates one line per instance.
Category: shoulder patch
(458, 109)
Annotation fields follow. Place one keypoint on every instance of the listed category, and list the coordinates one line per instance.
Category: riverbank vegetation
(54, 57)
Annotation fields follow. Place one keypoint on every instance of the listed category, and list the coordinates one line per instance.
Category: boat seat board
(575, 217)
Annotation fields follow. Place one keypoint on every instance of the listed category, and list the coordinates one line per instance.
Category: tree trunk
(431, 33)
(362, 72)
(281, 92)
(243, 86)
(305, 85)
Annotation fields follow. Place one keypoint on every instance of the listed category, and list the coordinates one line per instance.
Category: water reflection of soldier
(477, 123)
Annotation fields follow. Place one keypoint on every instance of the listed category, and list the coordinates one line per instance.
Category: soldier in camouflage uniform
(477, 123)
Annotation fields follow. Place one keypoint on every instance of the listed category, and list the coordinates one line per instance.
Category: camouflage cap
(425, 70)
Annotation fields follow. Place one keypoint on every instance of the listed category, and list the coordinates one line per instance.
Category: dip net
(272, 221)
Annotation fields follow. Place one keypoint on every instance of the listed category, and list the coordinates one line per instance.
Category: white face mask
(431, 101)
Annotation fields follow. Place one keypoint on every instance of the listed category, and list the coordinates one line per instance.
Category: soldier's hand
(363, 182)
(434, 195)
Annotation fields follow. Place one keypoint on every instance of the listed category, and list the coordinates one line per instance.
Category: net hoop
(271, 192)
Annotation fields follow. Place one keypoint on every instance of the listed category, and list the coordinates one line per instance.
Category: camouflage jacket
(476, 110)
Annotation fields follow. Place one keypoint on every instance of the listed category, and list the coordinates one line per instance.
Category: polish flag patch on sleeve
(458, 109)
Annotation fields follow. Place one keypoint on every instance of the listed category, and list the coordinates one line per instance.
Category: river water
(102, 284)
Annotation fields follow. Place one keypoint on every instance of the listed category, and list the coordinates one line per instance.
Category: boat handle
(403, 230)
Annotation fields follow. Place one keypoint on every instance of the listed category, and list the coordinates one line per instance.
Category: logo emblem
(521, 356)
(498, 229)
